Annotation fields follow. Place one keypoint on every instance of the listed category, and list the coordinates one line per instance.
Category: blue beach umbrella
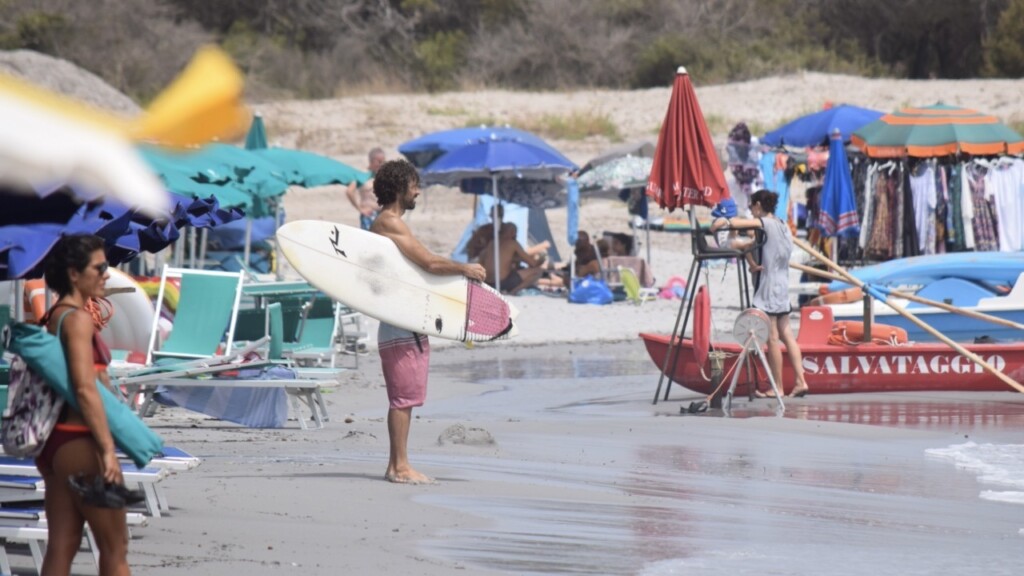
(838, 214)
(493, 157)
(202, 212)
(815, 129)
(424, 150)
(25, 243)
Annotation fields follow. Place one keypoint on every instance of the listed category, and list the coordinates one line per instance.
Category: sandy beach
(552, 460)
(549, 455)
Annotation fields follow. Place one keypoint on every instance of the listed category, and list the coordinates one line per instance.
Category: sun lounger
(28, 526)
(201, 341)
(146, 479)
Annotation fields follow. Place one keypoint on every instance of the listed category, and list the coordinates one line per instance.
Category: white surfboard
(368, 273)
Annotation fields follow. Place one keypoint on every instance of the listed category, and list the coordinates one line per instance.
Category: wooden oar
(817, 272)
(902, 312)
(920, 300)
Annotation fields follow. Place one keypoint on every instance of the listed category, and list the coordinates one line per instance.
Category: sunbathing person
(510, 255)
(483, 236)
(586, 259)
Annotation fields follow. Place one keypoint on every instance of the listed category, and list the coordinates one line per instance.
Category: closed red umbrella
(686, 169)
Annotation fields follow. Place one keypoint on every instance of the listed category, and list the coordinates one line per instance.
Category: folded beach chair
(634, 292)
(146, 479)
(28, 526)
(170, 458)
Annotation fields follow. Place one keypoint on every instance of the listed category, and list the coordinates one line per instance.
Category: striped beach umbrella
(937, 131)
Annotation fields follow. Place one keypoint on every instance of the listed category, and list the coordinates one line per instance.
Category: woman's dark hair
(74, 251)
(766, 198)
(392, 179)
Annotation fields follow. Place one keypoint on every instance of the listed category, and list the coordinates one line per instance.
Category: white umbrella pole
(204, 238)
(248, 241)
(279, 270)
(192, 247)
(17, 299)
(496, 224)
(179, 252)
(647, 239)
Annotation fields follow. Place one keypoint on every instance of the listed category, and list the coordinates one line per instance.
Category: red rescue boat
(838, 369)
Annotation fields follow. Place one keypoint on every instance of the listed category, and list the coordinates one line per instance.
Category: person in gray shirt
(772, 294)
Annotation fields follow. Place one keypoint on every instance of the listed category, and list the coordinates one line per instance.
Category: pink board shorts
(405, 360)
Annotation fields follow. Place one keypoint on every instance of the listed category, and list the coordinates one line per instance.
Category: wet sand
(586, 476)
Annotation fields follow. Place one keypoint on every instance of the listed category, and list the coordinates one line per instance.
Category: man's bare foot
(409, 476)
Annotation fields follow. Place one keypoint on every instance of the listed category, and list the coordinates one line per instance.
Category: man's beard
(409, 204)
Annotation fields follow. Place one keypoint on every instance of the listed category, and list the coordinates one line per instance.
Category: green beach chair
(205, 316)
(325, 329)
(634, 292)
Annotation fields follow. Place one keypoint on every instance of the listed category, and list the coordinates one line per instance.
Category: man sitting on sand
(405, 356)
(510, 254)
(483, 236)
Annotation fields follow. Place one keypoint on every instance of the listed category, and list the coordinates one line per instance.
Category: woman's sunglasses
(102, 267)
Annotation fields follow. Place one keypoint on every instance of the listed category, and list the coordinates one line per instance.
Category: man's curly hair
(393, 179)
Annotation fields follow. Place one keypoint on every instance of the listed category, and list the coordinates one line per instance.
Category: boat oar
(902, 312)
(918, 299)
(817, 272)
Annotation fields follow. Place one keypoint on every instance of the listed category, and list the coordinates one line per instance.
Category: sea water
(999, 467)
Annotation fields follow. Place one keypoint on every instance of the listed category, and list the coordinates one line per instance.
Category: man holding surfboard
(405, 355)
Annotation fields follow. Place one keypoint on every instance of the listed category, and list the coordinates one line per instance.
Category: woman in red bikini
(81, 444)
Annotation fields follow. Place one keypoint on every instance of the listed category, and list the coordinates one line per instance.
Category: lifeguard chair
(703, 253)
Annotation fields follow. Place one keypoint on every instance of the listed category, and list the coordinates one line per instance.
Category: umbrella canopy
(308, 169)
(429, 147)
(180, 177)
(256, 139)
(617, 174)
(817, 128)
(529, 192)
(642, 149)
(686, 169)
(937, 131)
(838, 214)
(244, 169)
(495, 157)
(125, 231)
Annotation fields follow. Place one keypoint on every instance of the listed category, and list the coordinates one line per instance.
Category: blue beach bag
(590, 290)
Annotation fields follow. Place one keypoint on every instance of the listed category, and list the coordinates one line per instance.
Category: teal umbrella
(227, 196)
(257, 137)
(308, 169)
(224, 165)
(247, 170)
